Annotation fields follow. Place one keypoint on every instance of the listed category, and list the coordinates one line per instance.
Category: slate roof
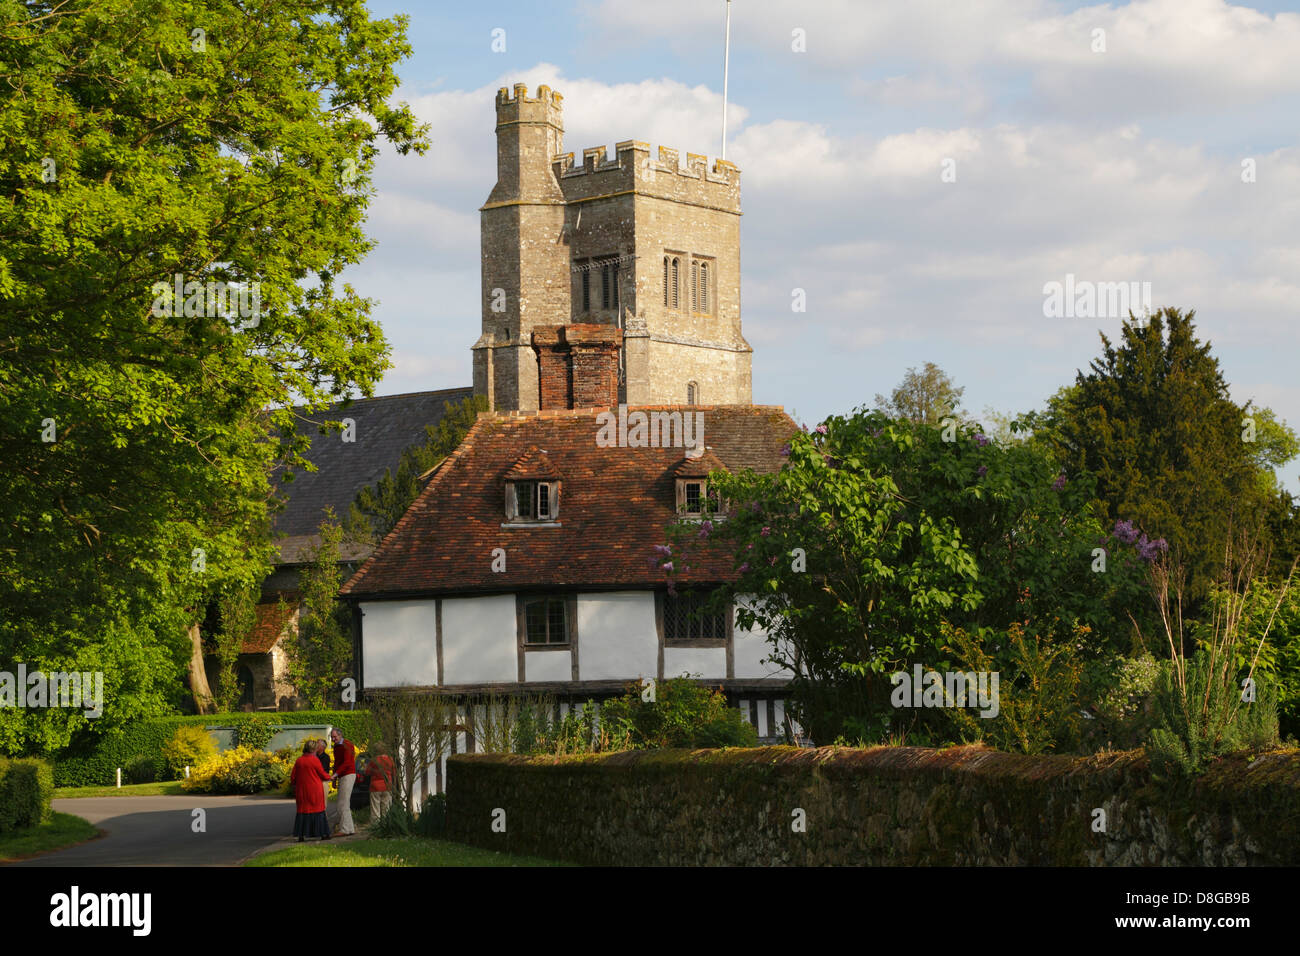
(614, 505)
(385, 427)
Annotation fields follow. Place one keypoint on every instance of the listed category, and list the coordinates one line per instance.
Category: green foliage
(145, 768)
(902, 528)
(321, 654)
(131, 154)
(97, 761)
(1153, 420)
(925, 397)
(683, 714)
(539, 729)
(240, 770)
(1278, 646)
(237, 612)
(432, 821)
(26, 789)
(377, 509)
(1117, 695)
(1037, 694)
(1200, 715)
(255, 730)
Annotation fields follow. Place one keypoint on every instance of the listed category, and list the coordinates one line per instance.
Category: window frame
(566, 603)
(698, 596)
(535, 485)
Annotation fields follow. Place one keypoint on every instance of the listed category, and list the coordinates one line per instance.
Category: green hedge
(98, 766)
(26, 788)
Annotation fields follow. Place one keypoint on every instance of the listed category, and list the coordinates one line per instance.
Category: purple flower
(1059, 483)
(982, 470)
(1125, 531)
(668, 566)
(1149, 550)
(821, 429)
(754, 507)
(981, 439)
(767, 530)
(706, 529)
(663, 549)
(785, 450)
(672, 591)
(750, 547)
(743, 568)
(772, 560)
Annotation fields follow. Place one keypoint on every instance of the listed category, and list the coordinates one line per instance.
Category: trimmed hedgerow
(26, 788)
(97, 765)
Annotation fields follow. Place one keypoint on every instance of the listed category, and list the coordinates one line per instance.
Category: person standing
(380, 773)
(345, 771)
(306, 777)
(323, 756)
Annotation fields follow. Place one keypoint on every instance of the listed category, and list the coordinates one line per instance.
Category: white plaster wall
(480, 641)
(549, 665)
(399, 643)
(616, 636)
(750, 649)
(706, 662)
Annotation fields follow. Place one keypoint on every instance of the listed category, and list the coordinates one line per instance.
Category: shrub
(1118, 696)
(432, 821)
(26, 789)
(683, 714)
(1038, 707)
(1204, 716)
(241, 770)
(95, 760)
(189, 746)
(146, 768)
(254, 730)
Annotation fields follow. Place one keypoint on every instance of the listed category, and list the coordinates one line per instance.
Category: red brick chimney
(577, 365)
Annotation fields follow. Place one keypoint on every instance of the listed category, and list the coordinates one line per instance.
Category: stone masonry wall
(882, 806)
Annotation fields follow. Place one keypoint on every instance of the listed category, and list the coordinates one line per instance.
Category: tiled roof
(532, 464)
(614, 505)
(385, 427)
(269, 625)
(699, 466)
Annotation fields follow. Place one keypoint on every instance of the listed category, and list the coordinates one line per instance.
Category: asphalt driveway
(158, 831)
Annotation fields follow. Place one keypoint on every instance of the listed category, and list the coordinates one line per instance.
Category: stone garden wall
(963, 806)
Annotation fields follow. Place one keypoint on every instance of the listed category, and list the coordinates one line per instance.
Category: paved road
(156, 831)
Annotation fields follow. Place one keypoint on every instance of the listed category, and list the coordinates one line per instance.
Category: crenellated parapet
(634, 169)
(545, 107)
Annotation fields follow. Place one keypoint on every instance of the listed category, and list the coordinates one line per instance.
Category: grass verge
(62, 830)
(402, 851)
(168, 788)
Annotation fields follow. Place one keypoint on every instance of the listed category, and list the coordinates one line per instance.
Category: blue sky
(1121, 164)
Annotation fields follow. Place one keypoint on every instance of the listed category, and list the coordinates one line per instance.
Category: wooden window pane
(535, 621)
(555, 620)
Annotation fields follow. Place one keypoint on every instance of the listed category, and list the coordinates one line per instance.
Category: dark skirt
(310, 825)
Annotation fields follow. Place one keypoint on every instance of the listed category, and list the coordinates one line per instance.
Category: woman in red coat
(307, 793)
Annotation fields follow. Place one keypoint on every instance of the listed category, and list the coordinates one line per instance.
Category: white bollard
(119, 778)
(187, 771)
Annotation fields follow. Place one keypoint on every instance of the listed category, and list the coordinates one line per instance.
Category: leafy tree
(141, 141)
(321, 655)
(879, 531)
(925, 397)
(1153, 421)
(237, 614)
(377, 509)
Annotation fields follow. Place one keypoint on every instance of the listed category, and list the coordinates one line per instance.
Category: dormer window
(694, 498)
(533, 501)
(532, 491)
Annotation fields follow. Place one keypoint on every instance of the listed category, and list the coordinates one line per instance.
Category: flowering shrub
(190, 746)
(241, 770)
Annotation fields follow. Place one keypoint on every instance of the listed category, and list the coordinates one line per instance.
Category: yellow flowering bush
(240, 770)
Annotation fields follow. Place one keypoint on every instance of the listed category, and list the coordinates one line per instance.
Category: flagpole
(726, 58)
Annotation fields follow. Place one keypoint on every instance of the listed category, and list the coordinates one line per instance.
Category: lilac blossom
(982, 470)
(821, 429)
(981, 439)
(1059, 483)
(1125, 531)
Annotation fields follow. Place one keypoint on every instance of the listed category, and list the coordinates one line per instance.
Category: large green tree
(877, 532)
(925, 397)
(1153, 421)
(147, 145)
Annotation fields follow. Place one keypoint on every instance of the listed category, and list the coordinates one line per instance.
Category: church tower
(619, 279)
